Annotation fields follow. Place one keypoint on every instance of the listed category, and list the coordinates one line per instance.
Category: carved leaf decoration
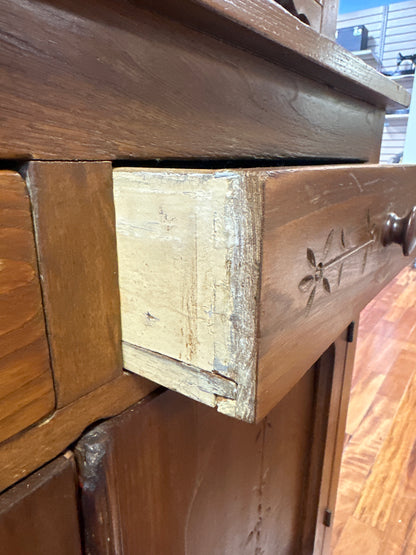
(311, 257)
(310, 300)
(326, 285)
(328, 243)
(306, 282)
(343, 238)
(340, 274)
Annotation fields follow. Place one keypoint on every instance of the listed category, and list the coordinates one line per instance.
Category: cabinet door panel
(174, 476)
(39, 515)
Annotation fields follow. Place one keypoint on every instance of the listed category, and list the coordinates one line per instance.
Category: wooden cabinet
(39, 516)
(233, 282)
(286, 248)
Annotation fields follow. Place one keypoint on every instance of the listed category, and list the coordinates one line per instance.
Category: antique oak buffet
(212, 164)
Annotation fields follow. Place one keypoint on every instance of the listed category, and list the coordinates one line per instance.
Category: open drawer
(234, 282)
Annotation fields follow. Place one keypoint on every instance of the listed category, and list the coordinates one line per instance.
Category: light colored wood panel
(401, 41)
(29, 450)
(26, 386)
(192, 381)
(74, 222)
(191, 294)
(400, 38)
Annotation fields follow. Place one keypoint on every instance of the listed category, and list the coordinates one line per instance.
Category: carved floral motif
(317, 278)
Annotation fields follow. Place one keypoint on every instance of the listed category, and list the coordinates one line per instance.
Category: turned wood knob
(401, 231)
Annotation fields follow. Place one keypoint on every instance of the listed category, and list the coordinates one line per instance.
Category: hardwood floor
(376, 504)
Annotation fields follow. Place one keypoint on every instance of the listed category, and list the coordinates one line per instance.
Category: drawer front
(323, 261)
(26, 387)
(234, 282)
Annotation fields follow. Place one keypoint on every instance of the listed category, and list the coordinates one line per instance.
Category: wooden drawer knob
(401, 231)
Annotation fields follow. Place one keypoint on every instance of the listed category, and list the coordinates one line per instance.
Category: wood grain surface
(323, 261)
(189, 252)
(39, 516)
(174, 476)
(267, 29)
(21, 455)
(74, 221)
(139, 84)
(26, 386)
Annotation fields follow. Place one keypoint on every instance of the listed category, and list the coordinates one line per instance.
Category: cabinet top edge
(269, 30)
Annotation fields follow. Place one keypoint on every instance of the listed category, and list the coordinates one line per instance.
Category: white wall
(399, 21)
(409, 156)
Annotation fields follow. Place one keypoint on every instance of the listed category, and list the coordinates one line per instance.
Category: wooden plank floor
(376, 504)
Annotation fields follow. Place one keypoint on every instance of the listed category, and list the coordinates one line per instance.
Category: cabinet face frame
(233, 282)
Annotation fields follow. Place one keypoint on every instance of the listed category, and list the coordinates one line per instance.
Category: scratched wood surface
(167, 88)
(196, 247)
(323, 261)
(39, 516)
(26, 386)
(189, 253)
(375, 511)
(174, 476)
